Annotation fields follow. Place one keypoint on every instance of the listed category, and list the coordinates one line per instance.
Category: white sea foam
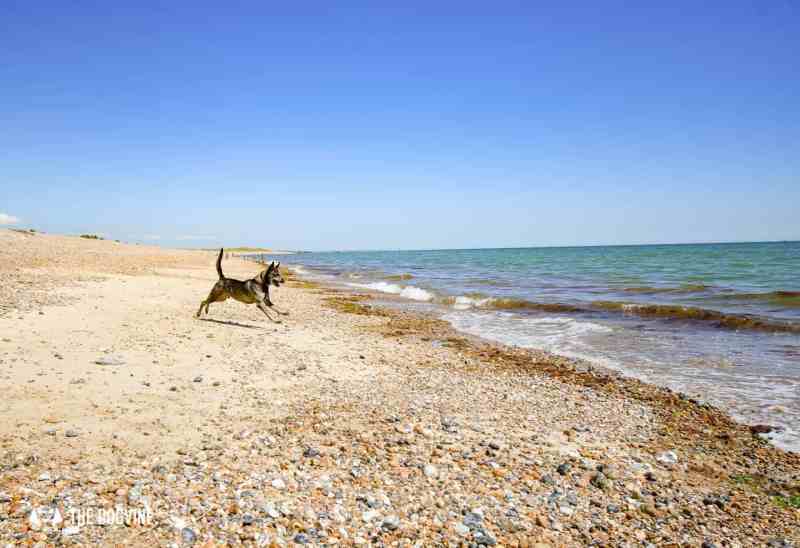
(407, 292)
(561, 335)
(554, 333)
(571, 325)
(383, 287)
(415, 293)
(465, 303)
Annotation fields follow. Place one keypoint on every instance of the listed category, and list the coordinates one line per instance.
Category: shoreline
(574, 369)
(346, 424)
(740, 362)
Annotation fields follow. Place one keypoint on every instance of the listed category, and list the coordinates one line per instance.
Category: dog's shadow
(230, 322)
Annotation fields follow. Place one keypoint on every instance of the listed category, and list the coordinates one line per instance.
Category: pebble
(720, 501)
(279, 484)
(271, 511)
(473, 519)
(484, 539)
(391, 523)
(109, 360)
(369, 515)
(134, 494)
(34, 522)
(600, 481)
(667, 458)
(431, 471)
(71, 434)
(188, 536)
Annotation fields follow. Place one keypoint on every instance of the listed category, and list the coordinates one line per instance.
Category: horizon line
(556, 246)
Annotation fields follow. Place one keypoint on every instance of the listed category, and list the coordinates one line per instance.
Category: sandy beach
(346, 424)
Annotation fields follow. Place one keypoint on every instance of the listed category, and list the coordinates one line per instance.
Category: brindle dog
(252, 291)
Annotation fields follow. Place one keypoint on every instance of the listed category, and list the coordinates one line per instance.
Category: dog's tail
(219, 264)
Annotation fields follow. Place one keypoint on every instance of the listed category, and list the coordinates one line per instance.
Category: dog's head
(271, 276)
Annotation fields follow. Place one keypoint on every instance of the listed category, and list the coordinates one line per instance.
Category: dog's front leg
(269, 303)
(278, 310)
(261, 306)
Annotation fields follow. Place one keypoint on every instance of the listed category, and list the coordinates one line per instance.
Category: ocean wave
(650, 290)
(479, 301)
(514, 304)
(720, 319)
(465, 302)
(416, 293)
(789, 299)
(573, 326)
(408, 292)
(554, 333)
(399, 277)
(660, 311)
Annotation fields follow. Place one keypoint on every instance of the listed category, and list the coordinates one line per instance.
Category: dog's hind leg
(214, 296)
(263, 308)
(200, 310)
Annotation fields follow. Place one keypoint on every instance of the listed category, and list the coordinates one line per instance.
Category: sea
(718, 322)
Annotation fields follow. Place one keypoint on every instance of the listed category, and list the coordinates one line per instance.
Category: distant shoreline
(246, 250)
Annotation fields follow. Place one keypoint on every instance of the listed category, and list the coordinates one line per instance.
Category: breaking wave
(408, 292)
(720, 319)
(789, 299)
(479, 301)
(666, 312)
(399, 277)
(465, 302)
(554, 333)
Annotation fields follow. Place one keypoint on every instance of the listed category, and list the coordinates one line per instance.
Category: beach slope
(345, 424)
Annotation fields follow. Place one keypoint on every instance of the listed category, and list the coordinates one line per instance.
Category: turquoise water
(718, 321)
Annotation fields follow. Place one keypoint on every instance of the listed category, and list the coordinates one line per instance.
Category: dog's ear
(278, 265)
(271, 266)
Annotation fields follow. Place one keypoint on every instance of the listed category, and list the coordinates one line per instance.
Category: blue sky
(423, 125)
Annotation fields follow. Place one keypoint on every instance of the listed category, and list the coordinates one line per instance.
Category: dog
(252, 291)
